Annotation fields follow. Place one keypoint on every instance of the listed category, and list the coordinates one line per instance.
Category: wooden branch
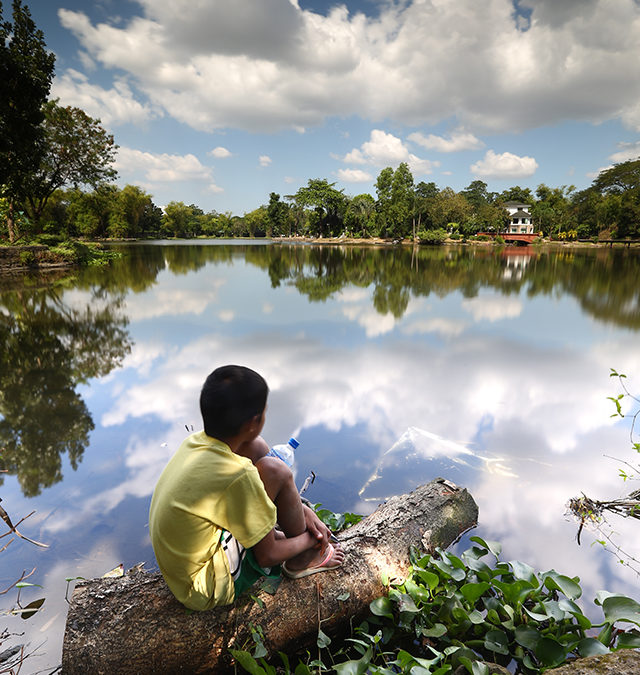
(134, 625)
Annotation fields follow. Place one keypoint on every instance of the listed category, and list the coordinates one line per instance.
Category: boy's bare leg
(281, 488)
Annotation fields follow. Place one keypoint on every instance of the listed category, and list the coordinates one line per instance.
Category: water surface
(392, 367)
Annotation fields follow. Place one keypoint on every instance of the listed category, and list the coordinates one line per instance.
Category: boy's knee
(273, 471)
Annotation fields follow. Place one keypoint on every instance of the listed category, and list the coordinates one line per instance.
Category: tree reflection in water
(49, 348)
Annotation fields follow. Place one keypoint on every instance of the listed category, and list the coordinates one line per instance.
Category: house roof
(521, 214)
(514, 204)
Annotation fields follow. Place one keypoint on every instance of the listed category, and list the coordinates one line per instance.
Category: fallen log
(133, 624)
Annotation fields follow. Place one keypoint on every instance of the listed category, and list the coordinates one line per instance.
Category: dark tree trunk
(134, 625)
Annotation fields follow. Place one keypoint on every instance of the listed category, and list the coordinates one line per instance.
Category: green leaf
(493, 546)
(527, 636)
(302, 669)
(247, 662)
(259, 651)
(476, 617)
(358, 667)
(24, 584)
(591, 647)
(456, 573)
(558, 582)
(473, 591)
(550, 652)
(628, 640)
(621, 608)
(436, 631)
(432, 580)
(406, 604)
(479, 668)
(323, 639)
(343, 596)
(497, 641)
(523, 571)
(382, 607)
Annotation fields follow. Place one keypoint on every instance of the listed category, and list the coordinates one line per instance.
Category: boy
(214, 509)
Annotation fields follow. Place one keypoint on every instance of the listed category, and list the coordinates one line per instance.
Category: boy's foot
(331, 560)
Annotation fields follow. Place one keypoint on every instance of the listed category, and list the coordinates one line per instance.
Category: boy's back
(205, 487)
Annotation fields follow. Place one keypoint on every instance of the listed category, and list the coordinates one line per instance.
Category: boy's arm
(318, 530)
(271, 551)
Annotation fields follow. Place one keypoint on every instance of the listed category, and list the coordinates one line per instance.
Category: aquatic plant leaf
(591, 647)
(323, 639)
(436, 631)
(559, 582)
(523, 571)
(550, 652)
(432, 580)
(527, 636)
(494, 546)
(247, 662)
(621, 608)
(628, 640)
(497, 641)
(382, 607)
(473, 591)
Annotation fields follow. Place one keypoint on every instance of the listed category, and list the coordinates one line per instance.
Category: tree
(516, 194)
(276, 215)
(384, 182)
(26, 71)
(360, 212)
(127, 218)
(328, 203)
(450, 207)
(402, 201)
(76, 151)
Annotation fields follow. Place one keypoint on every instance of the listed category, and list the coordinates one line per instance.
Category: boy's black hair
(231, 396)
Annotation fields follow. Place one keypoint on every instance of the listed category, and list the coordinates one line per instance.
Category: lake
(392, 366)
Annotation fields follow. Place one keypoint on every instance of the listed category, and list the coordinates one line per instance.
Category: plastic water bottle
(285, 452)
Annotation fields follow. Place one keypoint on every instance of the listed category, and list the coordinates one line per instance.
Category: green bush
(499, 241)
(456, 236)
(27, 258)
(433, 237)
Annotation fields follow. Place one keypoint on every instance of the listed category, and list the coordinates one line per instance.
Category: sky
(219, 103)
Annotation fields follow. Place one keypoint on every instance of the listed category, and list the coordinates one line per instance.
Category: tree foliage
(76, 151)
(26, 71)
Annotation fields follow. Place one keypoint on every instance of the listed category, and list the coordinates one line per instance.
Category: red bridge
(525, 239)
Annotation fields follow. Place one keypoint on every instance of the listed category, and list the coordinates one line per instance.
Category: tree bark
(134, 625)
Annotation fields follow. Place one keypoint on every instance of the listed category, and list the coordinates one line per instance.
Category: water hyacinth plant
(466, 611)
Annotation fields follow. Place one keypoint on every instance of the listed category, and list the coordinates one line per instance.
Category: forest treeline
(57, 178)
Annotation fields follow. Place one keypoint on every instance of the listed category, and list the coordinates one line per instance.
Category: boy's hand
(317, 529)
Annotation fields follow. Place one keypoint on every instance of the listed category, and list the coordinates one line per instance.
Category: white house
(519, 218)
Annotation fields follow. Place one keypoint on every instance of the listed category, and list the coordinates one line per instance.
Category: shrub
(499, 241)
(27, 258)
(456, 236)
(433, 237)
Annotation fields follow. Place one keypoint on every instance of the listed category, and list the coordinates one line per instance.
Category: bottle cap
(293, 443)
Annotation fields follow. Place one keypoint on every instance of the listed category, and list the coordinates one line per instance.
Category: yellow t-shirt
(205, 488)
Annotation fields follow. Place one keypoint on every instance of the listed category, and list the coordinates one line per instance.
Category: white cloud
(493, 307)
(354, 175)
(163, 168)
(385, 149)
(264, 160)
(626, 152)
(417, 62)
(220, 153)
(459, 140)
(112, 106)
(504, 165)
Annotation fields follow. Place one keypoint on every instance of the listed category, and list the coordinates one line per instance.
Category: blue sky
(220, 103)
